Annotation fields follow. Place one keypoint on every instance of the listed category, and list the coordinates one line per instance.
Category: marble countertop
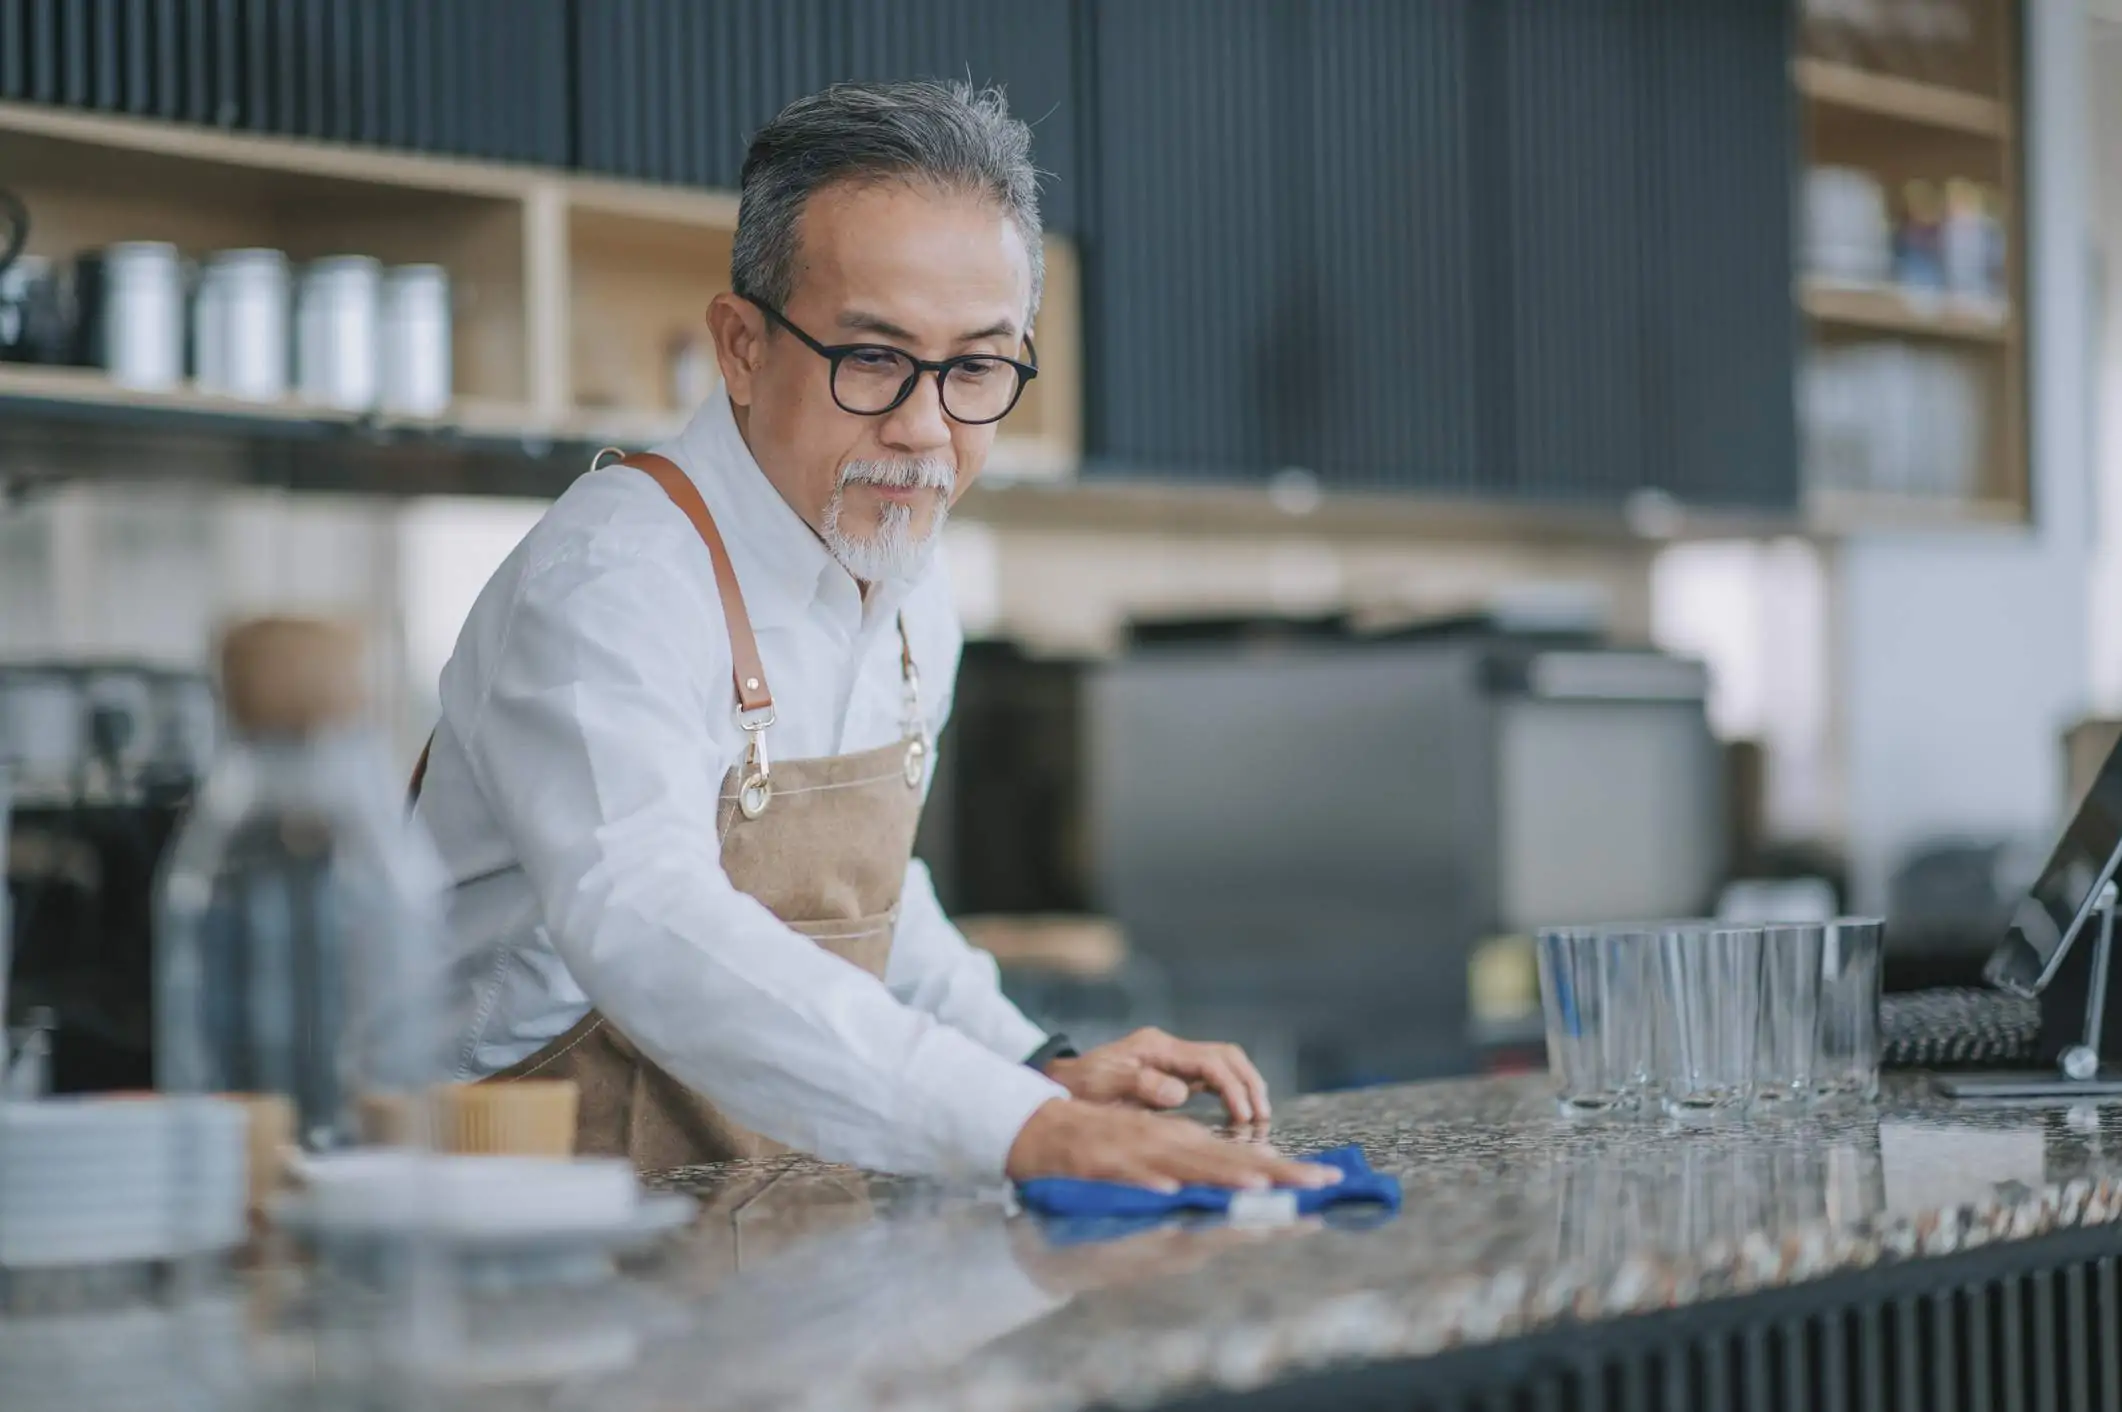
(812, 1286)
(800, 1285)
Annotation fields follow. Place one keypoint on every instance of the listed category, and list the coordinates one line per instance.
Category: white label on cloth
(1263, 1208)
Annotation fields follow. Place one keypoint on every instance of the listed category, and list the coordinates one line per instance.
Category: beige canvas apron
(823, 843)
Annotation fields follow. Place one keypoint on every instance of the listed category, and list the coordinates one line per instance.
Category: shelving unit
(570, 291)
(1905, 112)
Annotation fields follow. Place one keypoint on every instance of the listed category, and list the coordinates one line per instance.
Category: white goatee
(893, 550)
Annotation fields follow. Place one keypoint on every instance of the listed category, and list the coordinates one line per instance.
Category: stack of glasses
(1707, 1018)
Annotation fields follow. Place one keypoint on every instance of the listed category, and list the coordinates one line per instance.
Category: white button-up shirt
(588, 718)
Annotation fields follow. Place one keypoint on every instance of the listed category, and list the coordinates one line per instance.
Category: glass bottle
(299, 915)
(298, 954)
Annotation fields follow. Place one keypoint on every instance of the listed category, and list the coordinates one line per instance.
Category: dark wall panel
(1391, 242)
(1525, 248)
(1193, 330)
(1722, 249)
(1568, 153)
(483, 78)
(672, 90)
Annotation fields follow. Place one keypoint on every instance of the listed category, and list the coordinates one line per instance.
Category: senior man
(686, 731)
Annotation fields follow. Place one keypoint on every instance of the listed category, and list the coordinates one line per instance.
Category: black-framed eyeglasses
(870, 379)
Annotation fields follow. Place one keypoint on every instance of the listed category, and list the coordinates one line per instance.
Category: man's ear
(739, 331)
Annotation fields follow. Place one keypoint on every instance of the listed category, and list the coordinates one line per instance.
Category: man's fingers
(1199, 1156)
(1207, 1065)
(1157, 1089)
(1254, 1083)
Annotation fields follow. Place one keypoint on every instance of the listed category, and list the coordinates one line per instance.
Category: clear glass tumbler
(1790, 1010)
(1632, 1003)
(1590, 996)
(1846, 1063)
(1709, 991)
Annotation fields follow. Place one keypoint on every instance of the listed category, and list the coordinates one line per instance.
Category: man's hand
(1151, 1069)
(1069, 1138)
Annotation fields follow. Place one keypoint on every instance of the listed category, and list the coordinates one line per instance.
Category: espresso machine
(101, 759)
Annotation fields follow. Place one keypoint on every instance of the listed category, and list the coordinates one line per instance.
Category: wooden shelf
(186, 144)
(1903, 100)
(1845, 512)
(1111, 504)
(88, 388)
(1890, 311)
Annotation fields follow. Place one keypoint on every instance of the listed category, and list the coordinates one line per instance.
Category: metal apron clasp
(757, 790)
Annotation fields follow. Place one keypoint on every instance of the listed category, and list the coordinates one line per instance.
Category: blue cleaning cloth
(1073, 1196)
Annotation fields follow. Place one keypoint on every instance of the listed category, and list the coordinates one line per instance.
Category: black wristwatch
(1056, 1047)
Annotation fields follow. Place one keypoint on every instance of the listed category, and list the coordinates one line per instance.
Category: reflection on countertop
(809, 1285)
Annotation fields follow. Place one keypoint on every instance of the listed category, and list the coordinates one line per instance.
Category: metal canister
(35, 317)
(336, 345)
(240, 325)
(132, 313)
(416, 341)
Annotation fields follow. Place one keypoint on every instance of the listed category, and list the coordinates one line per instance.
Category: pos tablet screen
(2069, 886)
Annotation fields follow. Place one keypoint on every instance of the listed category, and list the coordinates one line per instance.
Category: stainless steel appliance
(1328, 827)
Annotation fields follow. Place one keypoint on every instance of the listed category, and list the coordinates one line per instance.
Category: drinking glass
(1789, 1025)
(1709, 990)
(1632, 1006)
(1591, 998)
(1846, 1063)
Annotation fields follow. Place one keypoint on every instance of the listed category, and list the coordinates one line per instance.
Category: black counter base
(2025, 1324)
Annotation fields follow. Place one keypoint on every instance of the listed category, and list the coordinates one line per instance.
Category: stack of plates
(108, 1181)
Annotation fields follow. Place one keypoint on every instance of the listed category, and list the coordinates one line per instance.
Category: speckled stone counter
(812, 1286)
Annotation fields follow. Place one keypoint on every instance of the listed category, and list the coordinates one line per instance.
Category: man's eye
(873, 360)
(977, 369)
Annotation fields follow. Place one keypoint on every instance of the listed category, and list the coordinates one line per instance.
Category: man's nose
(919, 423)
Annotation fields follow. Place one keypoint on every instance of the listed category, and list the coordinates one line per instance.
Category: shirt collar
(782, 565)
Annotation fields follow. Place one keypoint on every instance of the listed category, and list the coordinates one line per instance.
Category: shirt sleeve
(588, 742)
(934, 968)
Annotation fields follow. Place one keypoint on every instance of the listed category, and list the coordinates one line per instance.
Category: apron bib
(823, 843)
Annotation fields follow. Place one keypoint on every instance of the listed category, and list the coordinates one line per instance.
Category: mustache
(920, 473)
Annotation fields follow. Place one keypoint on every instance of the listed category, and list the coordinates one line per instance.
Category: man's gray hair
(952, 135)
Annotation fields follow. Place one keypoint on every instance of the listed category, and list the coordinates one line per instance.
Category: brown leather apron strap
(412, 791)
(748, 671)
